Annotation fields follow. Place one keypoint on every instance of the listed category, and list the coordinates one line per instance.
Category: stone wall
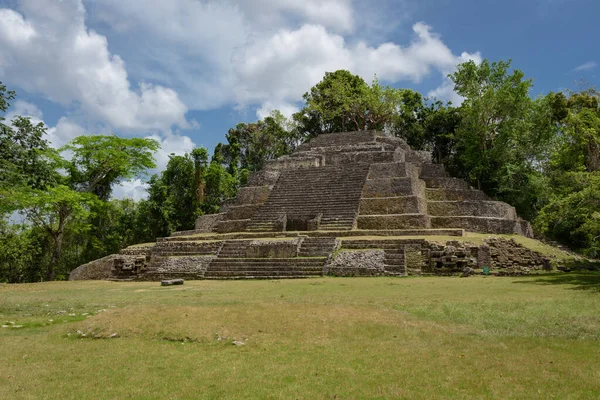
(272, 248)
(510, 258)
(187, 267)
(357, 263)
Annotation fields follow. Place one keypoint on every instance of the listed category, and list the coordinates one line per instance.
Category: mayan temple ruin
(344, 204)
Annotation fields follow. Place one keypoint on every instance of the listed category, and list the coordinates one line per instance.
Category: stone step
(455, 194)
(446, 183)
(478, 224)
(389, 187)
(392, 205)
(475, 208)
(265, 261)
(433, 171)
(391, 245)
(275, 277)
(393, 221)
(256, 270)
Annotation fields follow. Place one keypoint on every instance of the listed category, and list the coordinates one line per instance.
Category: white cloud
(588, 66)
(48, 49)
(264, 52)
(281, 68)
(25, 109)
(134, 189)
(337, 15)
(286, 109)
(445, 91)
(64, 131)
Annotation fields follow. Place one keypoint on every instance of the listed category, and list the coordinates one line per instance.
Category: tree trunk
(56, 253)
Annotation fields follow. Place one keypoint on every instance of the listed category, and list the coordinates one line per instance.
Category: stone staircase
(234, 262)
(265, 268)
(317, 246)
(328, 195)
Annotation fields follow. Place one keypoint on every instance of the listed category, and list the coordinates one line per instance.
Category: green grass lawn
(534, 337)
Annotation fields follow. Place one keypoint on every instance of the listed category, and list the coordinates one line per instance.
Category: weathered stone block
(473, 208)
(245, 211)
(446, 183)
(387, 170)
(357, 263)
(418, 157)
(206, 223)
(394, 221)
(392, 205)
(455, 195)
(389, 187)
(477, 224)
(287, 162)
(272, 249)
(433, 171)
(237, 225)
(252, 195)
(264, 177)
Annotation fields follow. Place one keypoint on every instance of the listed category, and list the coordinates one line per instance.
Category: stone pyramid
(360, 181)
(362, 191)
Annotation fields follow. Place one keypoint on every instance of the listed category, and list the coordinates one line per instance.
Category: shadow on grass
(579, 280)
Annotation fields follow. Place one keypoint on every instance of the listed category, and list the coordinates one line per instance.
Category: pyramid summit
(363, 191)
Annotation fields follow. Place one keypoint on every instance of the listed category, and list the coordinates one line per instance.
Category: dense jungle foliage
(541, 155)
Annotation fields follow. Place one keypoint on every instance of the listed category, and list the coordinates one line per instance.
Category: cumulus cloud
(47, 49)
(264, 52)
(282, 67)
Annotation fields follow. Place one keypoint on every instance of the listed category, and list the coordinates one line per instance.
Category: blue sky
(185, 71)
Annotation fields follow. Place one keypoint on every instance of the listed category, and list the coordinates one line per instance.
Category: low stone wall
(510, 258)
(186, 267)
(137, 250)
(357, 263)
(172, 248)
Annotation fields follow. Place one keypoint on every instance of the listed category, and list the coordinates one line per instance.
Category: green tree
(572, 215)
(345, 102)
(250, 145)
(502, 133)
